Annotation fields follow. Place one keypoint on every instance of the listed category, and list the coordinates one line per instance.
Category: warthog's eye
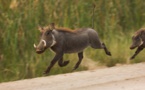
(48, 32)
(137, 38)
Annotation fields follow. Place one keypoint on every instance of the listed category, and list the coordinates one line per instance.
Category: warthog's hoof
(62, 64)
(75, 67)
(45, 72)
(132, 58)
(65, 63)
(109, 53)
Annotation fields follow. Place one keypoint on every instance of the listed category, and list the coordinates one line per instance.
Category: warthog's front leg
(55, 59)
(62, 63)
(80, 55)
(140, 48)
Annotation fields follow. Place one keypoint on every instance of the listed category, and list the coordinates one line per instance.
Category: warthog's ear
(140, 32)
(52, 26)
(41, 29)
(137, 34)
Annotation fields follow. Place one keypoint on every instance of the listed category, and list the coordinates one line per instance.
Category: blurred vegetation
(114, 20)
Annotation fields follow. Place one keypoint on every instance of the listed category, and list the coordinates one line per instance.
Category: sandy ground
(126, 77)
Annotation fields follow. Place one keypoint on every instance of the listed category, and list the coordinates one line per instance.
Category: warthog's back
(78, 40)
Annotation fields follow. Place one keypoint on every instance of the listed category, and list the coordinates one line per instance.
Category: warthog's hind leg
(80, 55)
(106, 50)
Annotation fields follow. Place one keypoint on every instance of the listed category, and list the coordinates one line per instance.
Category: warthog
(138, 41)
(62, 40)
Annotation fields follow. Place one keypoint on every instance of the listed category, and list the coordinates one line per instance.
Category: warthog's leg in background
(140, 48)
(61, 63)
(54, 60)
(80, 55)
(106, 50)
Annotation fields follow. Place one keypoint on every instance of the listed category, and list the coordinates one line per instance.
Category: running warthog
(62, 40)
(138, 41)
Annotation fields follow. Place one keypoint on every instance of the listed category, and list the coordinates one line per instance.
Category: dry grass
(114, 20)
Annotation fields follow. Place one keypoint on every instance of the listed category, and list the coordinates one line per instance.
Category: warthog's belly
(75, 49)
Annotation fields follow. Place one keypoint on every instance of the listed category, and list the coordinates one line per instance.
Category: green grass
(114, 20)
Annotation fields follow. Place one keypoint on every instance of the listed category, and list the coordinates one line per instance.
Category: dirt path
(126, 77)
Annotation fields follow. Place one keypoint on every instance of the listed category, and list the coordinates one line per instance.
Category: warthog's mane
(63, 29)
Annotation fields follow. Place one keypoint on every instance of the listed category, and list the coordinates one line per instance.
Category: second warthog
(138, 40)
(62, 40)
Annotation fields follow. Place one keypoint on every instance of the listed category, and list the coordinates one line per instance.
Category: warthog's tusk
(34, 46)
(44, 43)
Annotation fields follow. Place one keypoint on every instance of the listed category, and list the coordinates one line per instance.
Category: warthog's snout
(131, 47)
(136, 43)
(40, 48)
(39, 51)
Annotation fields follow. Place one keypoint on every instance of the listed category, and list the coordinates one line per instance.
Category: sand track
(126, 77)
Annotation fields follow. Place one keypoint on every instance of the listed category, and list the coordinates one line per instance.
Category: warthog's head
(136, 40)
(47, 40)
